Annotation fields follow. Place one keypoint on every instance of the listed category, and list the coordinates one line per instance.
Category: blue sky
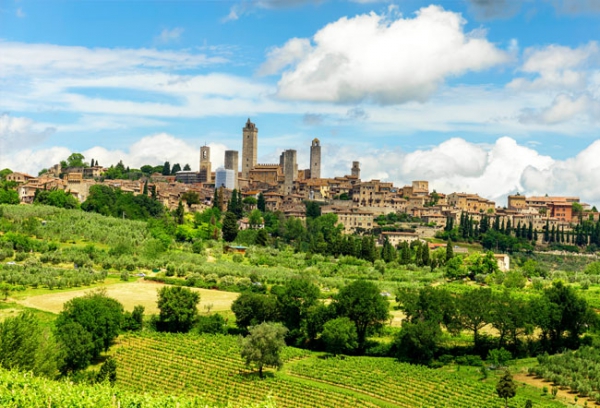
(487, 96)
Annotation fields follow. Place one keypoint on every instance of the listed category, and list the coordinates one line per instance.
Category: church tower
(205, 167)
(315, 159)
(249, 148)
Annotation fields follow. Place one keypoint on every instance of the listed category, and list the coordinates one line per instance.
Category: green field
(210, 366)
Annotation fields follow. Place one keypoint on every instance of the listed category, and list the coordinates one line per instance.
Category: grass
(130, 294)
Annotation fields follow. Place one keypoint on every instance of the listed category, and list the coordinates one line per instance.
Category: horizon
(483, 97)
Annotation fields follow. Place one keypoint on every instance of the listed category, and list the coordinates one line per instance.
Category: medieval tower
(315, 159)
(205, 167)
(249, 148)
(290, 170)
(356, 169)
(231, 163)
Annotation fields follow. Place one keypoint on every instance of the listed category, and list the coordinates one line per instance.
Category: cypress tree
(449, 250)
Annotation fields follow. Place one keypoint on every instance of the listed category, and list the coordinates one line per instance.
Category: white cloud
(20, 13)
(564, 108)
(557, 67)
(384, 60)
(167, 36)
(19, 132)
(279, 58)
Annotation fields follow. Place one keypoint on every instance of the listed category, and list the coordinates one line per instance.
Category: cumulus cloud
(154, 150)
(279, 58)
(564, 108)
(378, 58)
(167, 36)
(19, 132)
(557, 67)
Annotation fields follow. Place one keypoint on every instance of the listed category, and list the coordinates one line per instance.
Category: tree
(108, 371)
(8, 196)
(339, 336)
(134, 321)
(294, 300)
(77, 346)
(474, 309)
(230, 227)
(98, 314)
(251, 309)
(418, 342)
(187, 167)
(175, 169)
(179, 213)
(178, 309)
(362, 303)
(255, 218)
(26, 345)
(191, 197)
(261, 347)
(506, 387)
(75, 160)
(262, 237)
(166, 171)
(261, 203)
(313, 209)
(449, 250)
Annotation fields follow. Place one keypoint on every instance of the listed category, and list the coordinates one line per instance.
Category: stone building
(205, 165)
(315, 159)
(355, 171)
(249, 148)
(287, 161)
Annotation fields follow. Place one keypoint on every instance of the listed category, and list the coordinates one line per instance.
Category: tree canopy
(262, 346)
(178, 309)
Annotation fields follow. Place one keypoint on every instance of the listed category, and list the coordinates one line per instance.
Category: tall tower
(356, 169)
(315, 159)
(232, 163)
(249, 147)
(290, 170)
(205, 167)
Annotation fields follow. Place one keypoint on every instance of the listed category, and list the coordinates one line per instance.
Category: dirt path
(562, 395)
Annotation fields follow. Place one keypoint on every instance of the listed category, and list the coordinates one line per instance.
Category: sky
(481, 96)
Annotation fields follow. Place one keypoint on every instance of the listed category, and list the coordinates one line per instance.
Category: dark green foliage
(235, 204)
(134, 321)
(252, 308)
(175, 169)
(262, 237)
(108, 372)
(506, 387)
(417, 342)
(474, 308)
(56, 198)
(212, 324)
(362, 303)
(98, 314)
(187, 167)
(339, 336)
(26, 346)
(77, 346)
(178, 309)
(293, 303)
(114, 202)
(261, 203)
(262, 346)
(230, 227)
(166, 170)
(313, 209)
(8, 196)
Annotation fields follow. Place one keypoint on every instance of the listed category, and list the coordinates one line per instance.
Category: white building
(224, 178)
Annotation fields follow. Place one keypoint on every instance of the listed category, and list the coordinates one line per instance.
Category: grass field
(129, 294)
(210, 366)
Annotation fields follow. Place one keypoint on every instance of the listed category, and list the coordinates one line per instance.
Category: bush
(213, 324)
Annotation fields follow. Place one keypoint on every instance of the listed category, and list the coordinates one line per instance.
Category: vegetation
(178, 309)
(262, 346)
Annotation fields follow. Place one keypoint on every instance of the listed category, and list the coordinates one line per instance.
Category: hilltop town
(284, 187)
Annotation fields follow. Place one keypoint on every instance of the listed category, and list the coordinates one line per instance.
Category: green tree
(255, 218)
(313, 209)
(339, 336)
(108, 371)
(474, 309)
(187, 167)
(262, 346)
(262, 237)
(77, 346)
(251, 309)
(8, 196)
(134, 321)
(178, 309)
(175, 169)
(417, 342)
(506, 387)
(98, 314)
(449, 250)
(362, 303)
(230, 227)
(26, 345)
(180, 213)
(294, 301)
(261, 203)
(166, 170)
(76, 160)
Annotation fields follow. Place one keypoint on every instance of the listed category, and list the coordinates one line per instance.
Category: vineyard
(210, 366)
(18, 390)
(578, 370)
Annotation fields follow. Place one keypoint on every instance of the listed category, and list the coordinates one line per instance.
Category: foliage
(212, 324)
(251, 309)
(56, 198)
(506, 387)
(294, 301)
(98, 315)
(25, 345)
(114, 202)
(230, 227)
(362, 303)
(418, 342)
(134, 321)
(108, 371)
(178, 309)
(339, 336)
(262, 346)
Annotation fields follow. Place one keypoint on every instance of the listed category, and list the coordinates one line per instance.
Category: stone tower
(290, 170)
(356, 169)
(205, 167)
(315, 159)
(249, 147)
(231, 163)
